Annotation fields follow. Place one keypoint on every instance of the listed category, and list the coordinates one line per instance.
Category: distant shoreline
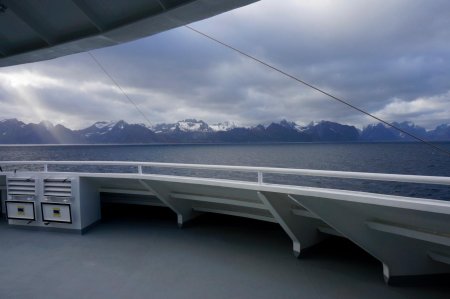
(218, 143)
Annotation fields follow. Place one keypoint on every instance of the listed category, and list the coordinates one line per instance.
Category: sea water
(398, 158)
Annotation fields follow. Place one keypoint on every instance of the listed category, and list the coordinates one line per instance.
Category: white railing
(260, 171)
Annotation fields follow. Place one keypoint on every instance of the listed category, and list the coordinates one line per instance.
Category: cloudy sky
(391, 58)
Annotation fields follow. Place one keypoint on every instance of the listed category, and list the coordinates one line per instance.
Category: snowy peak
(163, 128)
(292, 125)
(223, 126)
(104, 124)
(104, 127)
(117, 132)
(187, 125)
(193, 125)
(197, 131)
(287, 124)
(109, 125)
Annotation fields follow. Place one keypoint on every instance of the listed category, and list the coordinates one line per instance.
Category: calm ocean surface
(401, 158)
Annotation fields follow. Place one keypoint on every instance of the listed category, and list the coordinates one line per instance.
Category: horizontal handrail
(404, 178)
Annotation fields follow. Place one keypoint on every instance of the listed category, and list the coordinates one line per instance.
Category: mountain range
(13, 131)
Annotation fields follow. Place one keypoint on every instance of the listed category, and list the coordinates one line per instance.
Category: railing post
(260, 177)
(140, 169)
(45, 167)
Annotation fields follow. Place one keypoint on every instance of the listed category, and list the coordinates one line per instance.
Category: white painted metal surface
(410, 236)
(23, 186)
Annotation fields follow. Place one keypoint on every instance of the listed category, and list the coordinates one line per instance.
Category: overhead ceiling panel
(32, 30)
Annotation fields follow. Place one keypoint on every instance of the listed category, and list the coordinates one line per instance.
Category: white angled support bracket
(404, 247)
(181, 207)
(302, 230)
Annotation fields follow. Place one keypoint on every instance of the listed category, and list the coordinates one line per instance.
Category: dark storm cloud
(389, 57)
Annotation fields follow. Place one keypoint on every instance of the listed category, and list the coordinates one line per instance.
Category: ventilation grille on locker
(21, 187)
(57, 188)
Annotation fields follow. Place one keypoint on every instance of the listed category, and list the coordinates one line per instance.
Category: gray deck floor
(215, 257)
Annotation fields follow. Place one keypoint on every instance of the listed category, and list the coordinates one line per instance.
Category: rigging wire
(120, 88)
(286, 74)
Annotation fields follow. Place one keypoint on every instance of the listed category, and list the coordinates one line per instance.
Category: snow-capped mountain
(117, 132)
(292, 125)
(192, 125)
(223, 126)
(187, 125)
(13, 131)
(101, 127)
(105, 124)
